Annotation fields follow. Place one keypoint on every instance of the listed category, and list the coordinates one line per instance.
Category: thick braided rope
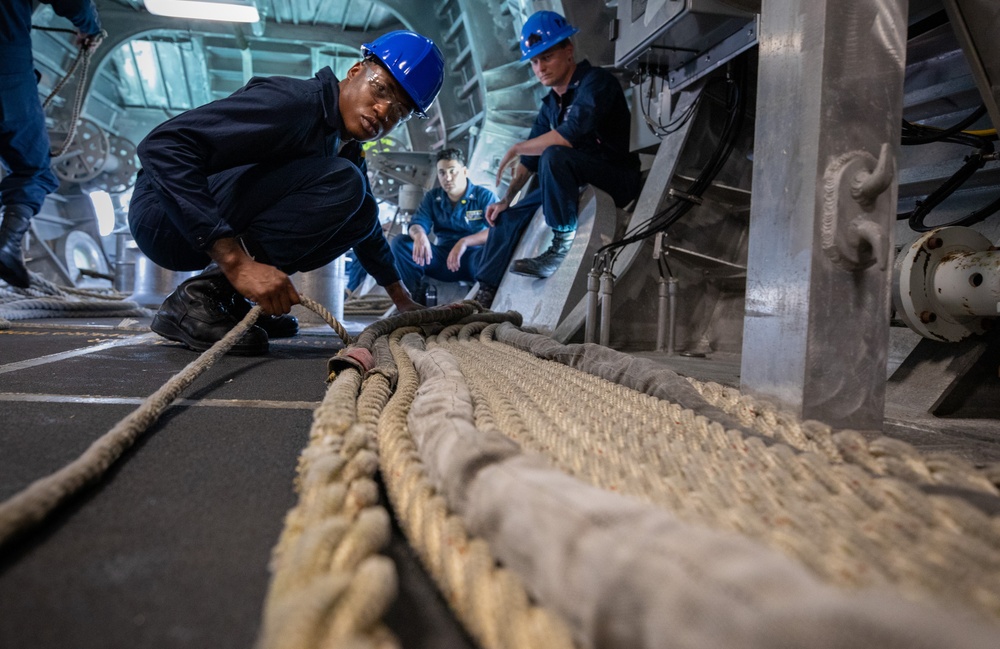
(367, 304)
(34, 503)
(490, 601)
(850, 526)
(43, 299)
(322, 312)
(329, 588)
(882, 456)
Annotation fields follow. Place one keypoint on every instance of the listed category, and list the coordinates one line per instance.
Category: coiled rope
(329, 588)
(491, 601)
(43, 299)
(857, 514)
(308, 603)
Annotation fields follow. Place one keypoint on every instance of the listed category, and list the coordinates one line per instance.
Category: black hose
(926, 134)
(973, 163)
(664, 219)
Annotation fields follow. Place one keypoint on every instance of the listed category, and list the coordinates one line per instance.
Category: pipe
(661, 315)
(593, 283)
(672, 295)
(967, 284)
(339, 286)
(607, 288)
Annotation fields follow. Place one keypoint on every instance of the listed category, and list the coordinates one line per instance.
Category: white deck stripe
(133, 401)
(52, 358)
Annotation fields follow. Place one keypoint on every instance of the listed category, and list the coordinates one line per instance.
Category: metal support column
(829, 106)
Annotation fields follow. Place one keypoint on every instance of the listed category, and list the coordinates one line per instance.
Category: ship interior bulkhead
(758, 406)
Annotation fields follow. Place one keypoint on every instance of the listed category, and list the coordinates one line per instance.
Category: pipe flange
(913, 294)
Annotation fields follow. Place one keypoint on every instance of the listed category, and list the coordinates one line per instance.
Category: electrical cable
(736, 80)
(914, 134)
(982, 141)
(658, 128)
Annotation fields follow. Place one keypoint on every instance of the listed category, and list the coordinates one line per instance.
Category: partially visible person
(272, 181)
(455, 213)
(580, 136)
(24, 140)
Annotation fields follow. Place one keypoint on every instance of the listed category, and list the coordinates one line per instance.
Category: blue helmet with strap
(542, 30)
(414, 61)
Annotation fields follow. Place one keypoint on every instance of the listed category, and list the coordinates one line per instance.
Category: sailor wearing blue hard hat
(271, 181)
(580, 136)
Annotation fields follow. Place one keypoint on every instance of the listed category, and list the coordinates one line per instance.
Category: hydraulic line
(736, 81)
(982, 141)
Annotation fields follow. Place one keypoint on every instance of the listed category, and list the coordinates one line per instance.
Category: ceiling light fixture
(233, 11)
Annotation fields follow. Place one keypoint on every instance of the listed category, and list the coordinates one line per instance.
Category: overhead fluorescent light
(232, 11)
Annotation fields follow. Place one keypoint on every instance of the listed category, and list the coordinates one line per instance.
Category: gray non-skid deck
(171, 547)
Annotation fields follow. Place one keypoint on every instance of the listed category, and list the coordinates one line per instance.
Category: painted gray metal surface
(544, 303)
(829, 97)
(976, 24)
(653, 197)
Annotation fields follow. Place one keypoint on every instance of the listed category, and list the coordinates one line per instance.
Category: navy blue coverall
(24, 140)
(265, 165)
(593, 116)
(449, 223)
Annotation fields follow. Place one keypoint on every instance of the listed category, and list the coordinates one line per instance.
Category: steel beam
(975, 23)
(829, 106)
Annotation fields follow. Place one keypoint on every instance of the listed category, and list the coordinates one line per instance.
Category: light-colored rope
(44, 299)
(850, 525)
(322, 312)
(882, 456)
(329, 588)
(34, 503)
(490, 601)
(367, 304)
(81, 61)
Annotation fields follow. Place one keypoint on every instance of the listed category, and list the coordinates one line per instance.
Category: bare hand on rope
(261, 283)
(265, 285)
(90, 42)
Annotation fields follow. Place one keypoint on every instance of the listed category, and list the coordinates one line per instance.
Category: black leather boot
(199, 313)
(276, 326)
(485, 295)
(16, 221)
(546, 263)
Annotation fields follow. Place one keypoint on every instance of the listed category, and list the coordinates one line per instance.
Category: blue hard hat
(414, 61)
(542, 30)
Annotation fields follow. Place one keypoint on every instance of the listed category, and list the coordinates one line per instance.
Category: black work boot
(199, 313)
(16, 221)
(485, 295)
(276, 326)
(546, 263)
